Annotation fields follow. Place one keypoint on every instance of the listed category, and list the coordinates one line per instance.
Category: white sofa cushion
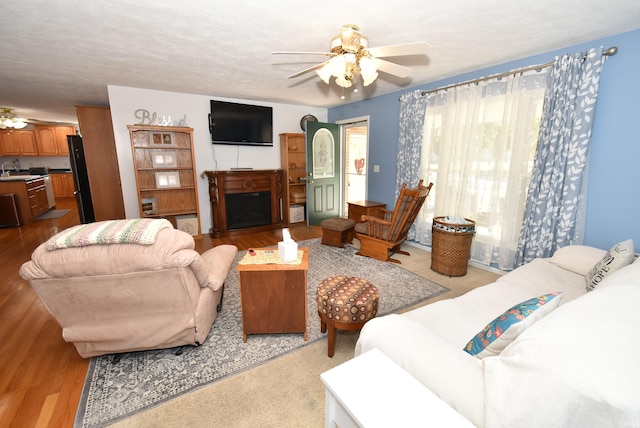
(505, 328)
(576, 367)
(618, 256)
(459, 319)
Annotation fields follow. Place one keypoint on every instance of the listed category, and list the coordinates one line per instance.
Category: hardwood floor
(41, 375)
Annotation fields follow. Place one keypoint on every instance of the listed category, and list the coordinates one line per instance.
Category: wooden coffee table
(273, 297)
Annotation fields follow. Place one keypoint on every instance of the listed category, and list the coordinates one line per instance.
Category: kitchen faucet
(5, 173)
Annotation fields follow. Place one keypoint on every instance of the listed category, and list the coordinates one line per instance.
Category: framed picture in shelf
(162, 138)
(164, 160)
(167, 179)
(149, 206)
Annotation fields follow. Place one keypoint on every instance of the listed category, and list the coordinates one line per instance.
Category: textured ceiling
(60, 53)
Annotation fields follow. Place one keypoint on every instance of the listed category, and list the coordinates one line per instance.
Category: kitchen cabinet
(31, 197)
(37, 195)
(164, 167)
(18, 143)
(63, 186)
(293, 161)
(52, 140)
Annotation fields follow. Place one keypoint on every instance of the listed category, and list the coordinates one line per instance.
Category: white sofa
(575, 367)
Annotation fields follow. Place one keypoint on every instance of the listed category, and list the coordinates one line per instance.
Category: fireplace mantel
(222, 183)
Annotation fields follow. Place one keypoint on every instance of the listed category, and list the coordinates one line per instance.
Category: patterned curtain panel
(556, 197)
(412, 111)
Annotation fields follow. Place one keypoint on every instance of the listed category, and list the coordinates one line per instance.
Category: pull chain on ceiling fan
(350, 57)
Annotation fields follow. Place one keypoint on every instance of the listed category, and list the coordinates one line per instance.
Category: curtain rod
(607, 52)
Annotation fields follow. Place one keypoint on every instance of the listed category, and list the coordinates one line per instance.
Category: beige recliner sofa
(115, 292)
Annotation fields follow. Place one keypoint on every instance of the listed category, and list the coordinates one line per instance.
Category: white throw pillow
(577, 258)
(618, 256)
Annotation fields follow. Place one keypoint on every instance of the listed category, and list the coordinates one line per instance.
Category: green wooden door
(323, 171)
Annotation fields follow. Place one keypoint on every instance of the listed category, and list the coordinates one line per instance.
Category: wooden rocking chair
(381, 237)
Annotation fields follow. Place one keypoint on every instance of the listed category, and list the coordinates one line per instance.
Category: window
(478, 148)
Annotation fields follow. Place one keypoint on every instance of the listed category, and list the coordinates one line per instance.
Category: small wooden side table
(357, 209)
(273, 297)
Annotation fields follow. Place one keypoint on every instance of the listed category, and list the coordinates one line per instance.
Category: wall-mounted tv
(241, 124)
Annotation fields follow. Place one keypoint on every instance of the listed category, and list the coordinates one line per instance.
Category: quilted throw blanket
(135, 231)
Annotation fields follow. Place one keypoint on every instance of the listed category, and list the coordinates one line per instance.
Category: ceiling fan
(350, 57)
(8, 119)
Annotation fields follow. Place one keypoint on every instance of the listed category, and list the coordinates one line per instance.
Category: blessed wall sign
(144, 117)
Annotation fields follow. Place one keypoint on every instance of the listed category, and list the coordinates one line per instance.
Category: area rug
(52, 214)
(118, 386)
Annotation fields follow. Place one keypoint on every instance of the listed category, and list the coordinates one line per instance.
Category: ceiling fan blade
(391, 68)
(417, 48)
(306, 70)
(301, 53)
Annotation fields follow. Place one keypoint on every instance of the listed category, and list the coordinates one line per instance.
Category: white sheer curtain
(478, 149)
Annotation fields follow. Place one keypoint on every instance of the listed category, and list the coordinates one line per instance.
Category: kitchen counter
(21, 172)
(21, 178)
(30, 193)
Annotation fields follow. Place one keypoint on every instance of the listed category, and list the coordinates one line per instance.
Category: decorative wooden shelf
(176, 144)
(293, 160)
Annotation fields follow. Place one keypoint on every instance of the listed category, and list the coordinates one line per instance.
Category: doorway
(355, 137)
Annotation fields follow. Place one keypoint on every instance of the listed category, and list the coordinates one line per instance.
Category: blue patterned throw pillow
(504, 329)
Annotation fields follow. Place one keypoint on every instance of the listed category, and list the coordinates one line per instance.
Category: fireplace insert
(248, 209)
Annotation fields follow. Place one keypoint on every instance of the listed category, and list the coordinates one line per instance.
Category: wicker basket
(451, 246)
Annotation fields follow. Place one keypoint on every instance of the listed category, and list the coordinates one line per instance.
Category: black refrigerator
(80, 179)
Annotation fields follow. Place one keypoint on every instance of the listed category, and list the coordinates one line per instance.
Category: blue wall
(613, 206)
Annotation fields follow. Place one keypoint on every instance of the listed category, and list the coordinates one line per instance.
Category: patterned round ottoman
(345, 303)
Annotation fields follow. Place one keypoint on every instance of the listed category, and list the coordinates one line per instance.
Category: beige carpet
(286, 392)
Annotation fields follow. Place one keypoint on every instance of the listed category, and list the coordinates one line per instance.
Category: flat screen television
(241, 124)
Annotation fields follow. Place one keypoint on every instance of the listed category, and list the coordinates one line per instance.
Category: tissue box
(296, 213)
(288, 251)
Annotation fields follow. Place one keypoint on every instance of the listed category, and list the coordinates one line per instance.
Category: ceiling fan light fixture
(350, 58)
(8, 119)
(19, 123)
(343, 82)
(351, 39)
(338, 65)
(366, 81)
(325, 73)
(368, 70)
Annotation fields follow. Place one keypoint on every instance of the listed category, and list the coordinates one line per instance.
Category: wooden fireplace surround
(223, 183)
